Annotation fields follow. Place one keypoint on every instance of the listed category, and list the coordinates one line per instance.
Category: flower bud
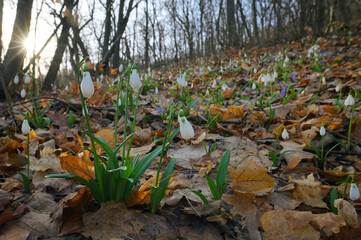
(23, 93)
(322, 131)
(186, 129)
(354, 192)
(25, 127)
(350, 101)
(27, 79)
(135, 82)
(16, 79)
(285, 134)
(86, 86)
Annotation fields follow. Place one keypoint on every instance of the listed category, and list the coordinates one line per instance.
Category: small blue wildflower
(199, 118)
(284, 91)
(160, 110)
(198, 73)
(293, 76)
(209, 147)
(201, 110)
(322, 63)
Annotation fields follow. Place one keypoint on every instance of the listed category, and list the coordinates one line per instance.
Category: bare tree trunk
(146, 34)
(231, 25)
(59, 52)
(244, 21)
(16, 53)
(1, 27)
(255, 26)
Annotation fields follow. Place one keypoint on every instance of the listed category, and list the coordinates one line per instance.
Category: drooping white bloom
(350, 101)
(23, 93)
(27, 79)
(66, 88)
(214, 83)
(181, 80)
(322, 131)
(87, 86)
(16, 79)
(323, 80)
(209, 69)
(156, 90)
(287, 59)
(135, 82)
(285, 134)
(338, 87)
(224, 87)
(284, 65)
(254, 86)
(207, 92)
(275, 75)
(186, 129)
(354, 192)
(119, 102)
(25, 127)
(120, 68)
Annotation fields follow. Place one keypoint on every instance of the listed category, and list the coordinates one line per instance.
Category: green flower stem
(120, 85)
(349, 177)
(322, 157)
(134, 120)
(349, 128)
(28, 154)
(97, 164)
(165, 140)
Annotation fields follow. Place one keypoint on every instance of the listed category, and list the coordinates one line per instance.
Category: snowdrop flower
(338, 87)
(181, 80)
(16, 79)
(354, 192)
(254, 70)
(86, 86)
(149, 71)
(66, 88)
(224, 87)
(156, 90)
(120, 68)
(207, 92)
(209, 69)
(25, 127)
(285, 134)
(350, 101)
(322, 131)
(284, 65)
(287, 59)
(27, 79)
(186, 129)
(323, 80)
(135, 82)
(23, 93)
(214, 83)
(254, 86)
(119, 102)
(275, 75)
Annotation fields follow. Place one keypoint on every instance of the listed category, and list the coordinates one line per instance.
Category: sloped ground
(289, 200)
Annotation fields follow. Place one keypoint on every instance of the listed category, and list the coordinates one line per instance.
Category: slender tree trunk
(244, 20)
(60, 49)
(231, 25)
(1, 27)
(255, 26)
(16, 53)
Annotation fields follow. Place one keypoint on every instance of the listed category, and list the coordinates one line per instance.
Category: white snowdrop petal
(285, 134)
(16, 79)
(354, 192)
(322, 131)
(25, 127)
(135, 82)
(87, 86)
(23, 93)
(186, 129)
(27, 79)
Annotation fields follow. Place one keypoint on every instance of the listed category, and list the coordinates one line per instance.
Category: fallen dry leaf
(347, 211)
(249, 177)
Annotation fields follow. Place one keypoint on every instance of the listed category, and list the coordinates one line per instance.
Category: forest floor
(239, 108)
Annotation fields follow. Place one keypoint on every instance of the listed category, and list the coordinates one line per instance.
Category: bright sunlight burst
(29, 44)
